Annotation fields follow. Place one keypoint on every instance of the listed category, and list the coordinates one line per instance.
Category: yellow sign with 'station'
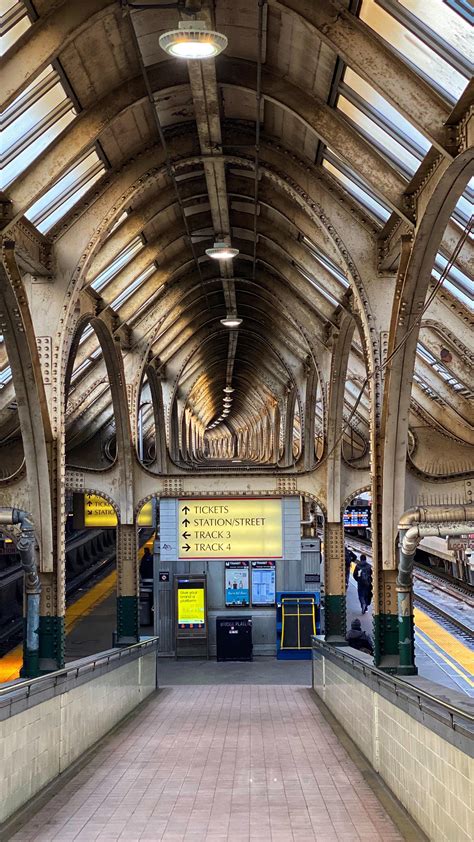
(244, 527)
(98, 511)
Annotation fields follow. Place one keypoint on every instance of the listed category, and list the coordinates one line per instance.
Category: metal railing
(401, 688)
(76, 669)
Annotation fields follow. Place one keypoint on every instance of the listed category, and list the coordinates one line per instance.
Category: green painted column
(128, 628)
(51, 644)
(334, 583)
(406, 633)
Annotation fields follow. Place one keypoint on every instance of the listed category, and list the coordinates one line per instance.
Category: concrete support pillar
(335, 584)
(128, 629)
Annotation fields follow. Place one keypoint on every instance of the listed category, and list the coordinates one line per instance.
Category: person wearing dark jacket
(363, 576)
(359, 639)
(146, 564)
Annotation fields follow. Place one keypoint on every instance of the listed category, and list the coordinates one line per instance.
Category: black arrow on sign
(186, 535)
(89, 513)
(185, 509)
(186, 522)
(186, 547)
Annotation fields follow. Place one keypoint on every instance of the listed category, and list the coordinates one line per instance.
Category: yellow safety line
(11, 663)
(448, 661)
(457, 651)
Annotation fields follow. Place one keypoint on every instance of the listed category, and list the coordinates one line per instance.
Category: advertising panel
(237, 583)
(239, 528)
(263, 583)
(191, 611)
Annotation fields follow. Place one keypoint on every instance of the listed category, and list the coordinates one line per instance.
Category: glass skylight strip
(88, 331)
(397, 155)
(463, 8)
(80, 369)
(125, 295)
(5, 375)
(15, 168)
(124, 257)
(40, 86)
(375, 208)
(443, 372)
(462, 282)
(445, 34)
(417, 54)
(14, 21)
(325, 261)
(327, 295)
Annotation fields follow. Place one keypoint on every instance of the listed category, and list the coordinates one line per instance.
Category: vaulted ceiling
(316, 113)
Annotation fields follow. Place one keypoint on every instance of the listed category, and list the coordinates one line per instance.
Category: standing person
(146, 564)
(349, 557)
(359, 639)
(363, 576)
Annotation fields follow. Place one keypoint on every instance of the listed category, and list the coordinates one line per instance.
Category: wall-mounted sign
(237, 583)
(230, 528)
(263, 583)
(164, 575)
(145, 515)
(92, 511)
(191, 608)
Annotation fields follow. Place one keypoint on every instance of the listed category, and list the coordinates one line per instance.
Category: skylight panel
(405, 162)
(315, 284)
(325, 261)
(438, 72)
(5, 376)
(88, 331)
(125, 295)
(445, 32)
(123, 216)
(14, 21)
(31, 123)
(459, 284)
(80, 369)
(375, 207)
(124, 257)
(388, 116)
(59, 199)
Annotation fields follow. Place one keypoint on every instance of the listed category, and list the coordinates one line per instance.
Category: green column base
(51, 644)
(335, 616)
(128, 629)
(386, 650)
(406, 645)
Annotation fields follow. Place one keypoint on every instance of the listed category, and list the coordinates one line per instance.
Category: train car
(433, 553)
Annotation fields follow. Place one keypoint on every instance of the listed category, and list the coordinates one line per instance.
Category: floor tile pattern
(214, 763)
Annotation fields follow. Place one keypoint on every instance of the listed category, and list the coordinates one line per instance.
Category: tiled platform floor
(208, 763)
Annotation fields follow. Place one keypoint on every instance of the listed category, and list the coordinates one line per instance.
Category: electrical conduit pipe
(26, 547)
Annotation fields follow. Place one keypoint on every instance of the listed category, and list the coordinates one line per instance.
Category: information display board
(239, 528)
(356, 517)
(237, 583)
(263, 583)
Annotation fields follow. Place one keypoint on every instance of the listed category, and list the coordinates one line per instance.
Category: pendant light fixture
(193, 40)
(222, 251)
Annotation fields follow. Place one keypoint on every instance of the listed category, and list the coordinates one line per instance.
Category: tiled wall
(431, 777)
(40, 742)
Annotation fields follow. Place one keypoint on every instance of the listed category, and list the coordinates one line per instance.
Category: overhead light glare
(231, 321)
(193, 40)
(222, 251)
(228, 389)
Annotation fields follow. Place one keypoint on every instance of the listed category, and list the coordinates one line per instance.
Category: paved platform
(210, 763)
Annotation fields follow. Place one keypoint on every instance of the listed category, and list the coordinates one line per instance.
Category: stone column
(334, 582)
(128, 628)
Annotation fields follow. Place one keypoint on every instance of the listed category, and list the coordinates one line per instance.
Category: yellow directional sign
(145, 515)
(230, 528)
(98, 512)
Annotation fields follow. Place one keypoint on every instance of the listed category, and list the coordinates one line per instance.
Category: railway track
(436, 612)
(97, 570)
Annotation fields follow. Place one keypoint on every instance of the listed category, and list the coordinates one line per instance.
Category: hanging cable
(258, 98)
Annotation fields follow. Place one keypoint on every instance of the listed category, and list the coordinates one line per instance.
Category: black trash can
(234, 638)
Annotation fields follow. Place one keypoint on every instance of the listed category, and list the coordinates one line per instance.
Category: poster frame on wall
(236, 573)
(259, 565)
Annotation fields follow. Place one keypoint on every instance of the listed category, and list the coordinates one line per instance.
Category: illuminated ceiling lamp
(231, 321)
(222, 251)
(228, 390)
(193, 40)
